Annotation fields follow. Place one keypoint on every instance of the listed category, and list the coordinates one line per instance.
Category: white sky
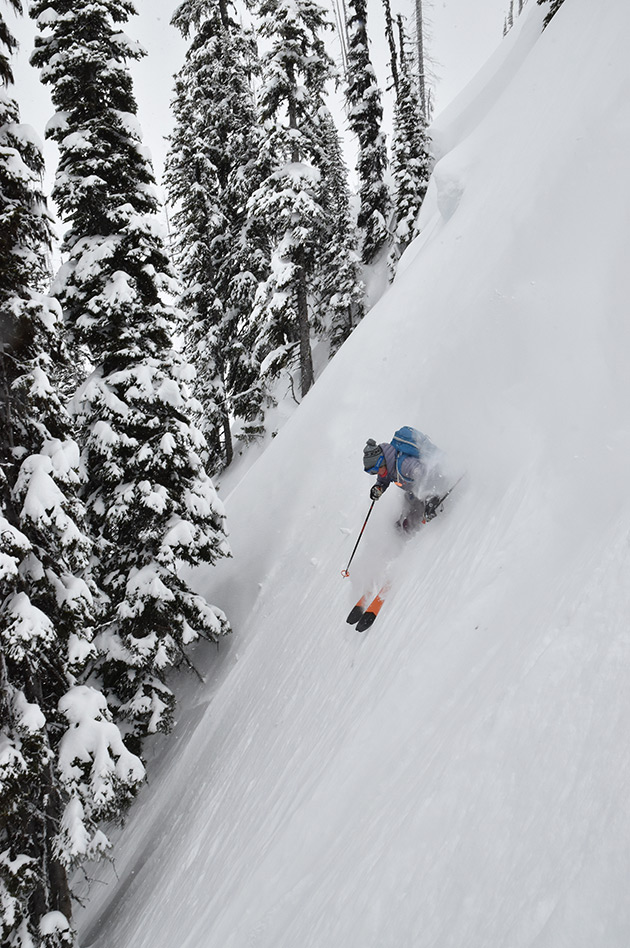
(462, 34)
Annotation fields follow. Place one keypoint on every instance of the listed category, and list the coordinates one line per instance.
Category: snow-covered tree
(49, 811)
(288, 204)
(411, 161)
(553, 8)
(211, 173)
(423, 92)
(391, 43)
(509, 19)
(340, 302)
(150, 503)
(365, 117)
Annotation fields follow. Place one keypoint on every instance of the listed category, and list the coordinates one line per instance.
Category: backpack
(409, 442)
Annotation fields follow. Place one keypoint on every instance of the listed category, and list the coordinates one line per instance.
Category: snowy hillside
(460, 775)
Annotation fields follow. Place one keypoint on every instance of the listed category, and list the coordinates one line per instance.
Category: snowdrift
(459, 776)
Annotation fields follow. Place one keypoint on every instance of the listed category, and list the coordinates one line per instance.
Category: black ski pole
(448, 492)
(452, 488)
(345, 572)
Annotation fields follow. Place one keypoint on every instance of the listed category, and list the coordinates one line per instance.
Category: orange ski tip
(375, 607)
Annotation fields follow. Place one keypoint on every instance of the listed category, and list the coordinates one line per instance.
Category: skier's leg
(412, 515)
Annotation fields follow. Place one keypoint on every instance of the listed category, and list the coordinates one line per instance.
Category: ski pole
(452, 488)
(448, 493)
(345, 572)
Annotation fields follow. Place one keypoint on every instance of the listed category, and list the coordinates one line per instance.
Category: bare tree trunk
(228, 447)
(342, 30)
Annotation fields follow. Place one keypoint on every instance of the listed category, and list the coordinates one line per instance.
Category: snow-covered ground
(460, 775)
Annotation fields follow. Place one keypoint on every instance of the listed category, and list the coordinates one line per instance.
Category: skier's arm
(382, 483)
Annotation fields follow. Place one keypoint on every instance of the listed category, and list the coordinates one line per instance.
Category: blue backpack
(410, 442)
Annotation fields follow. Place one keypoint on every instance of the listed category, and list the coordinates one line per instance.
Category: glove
(376, 491)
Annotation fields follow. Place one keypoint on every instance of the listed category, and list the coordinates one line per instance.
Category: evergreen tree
(553, 9)
(60, 774)
(424, 93)
(411, 163)
(7, 44)
(341, 291)
(211, 170)
(509, 20)
(289, 202)
(150, 504)
(391, 42)
(365, 117)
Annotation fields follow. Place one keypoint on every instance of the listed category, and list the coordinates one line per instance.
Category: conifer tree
(365, 117)
(391, 42)
(509, 20)
(211, 173)
(63, 766)
(411, 162)
(423, 92)
(341, 295)
(553, 9)
(150, 504)
(288, 204)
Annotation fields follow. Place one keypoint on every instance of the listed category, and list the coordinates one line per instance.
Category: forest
(135, 373)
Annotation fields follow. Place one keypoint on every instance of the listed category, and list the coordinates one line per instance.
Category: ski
(363, 615)
(357, 611)
(370, 614)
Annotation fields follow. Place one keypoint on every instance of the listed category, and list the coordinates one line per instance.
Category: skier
(411, 461)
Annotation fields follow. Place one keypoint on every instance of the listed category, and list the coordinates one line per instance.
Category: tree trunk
(224, 14)
(53, 891)
(306, 356)
(301, 291)
(228, 448)
(227, 440)
(389, 32)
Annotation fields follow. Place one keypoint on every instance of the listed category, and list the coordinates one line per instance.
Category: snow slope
(459, 776)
